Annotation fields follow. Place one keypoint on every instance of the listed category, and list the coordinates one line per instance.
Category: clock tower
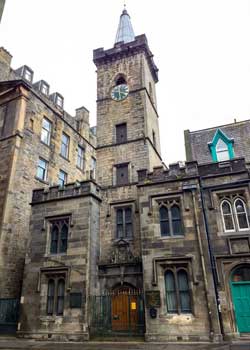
(127, 118)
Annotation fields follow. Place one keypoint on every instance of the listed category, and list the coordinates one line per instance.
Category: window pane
(184, 291)
(60, 297)
(227, 216)
(65, 145)
(128, 215)
(119, 216)
(42, 169)
(163, 213)
(122, 175)
(222, 155)
(177, 227)
(229, 225)
(50, 297)
(241, 274)
(226, 208)
(119, 231)
(175, 212)
(221, 145)
(242, 219)
(170, 292)
(129, 230)
(54, 239)
(241, 214)
(62, 178)
(165, 229)
(64, 239)
(80, 157)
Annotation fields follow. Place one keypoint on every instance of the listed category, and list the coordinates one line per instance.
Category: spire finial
(125, 30)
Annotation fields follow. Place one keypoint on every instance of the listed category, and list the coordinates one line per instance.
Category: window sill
(45, 144)
(171, 237)
(50, 318)
(189, 316)
(56, 255)
(67, 159)
(41, 180)
(234, 233)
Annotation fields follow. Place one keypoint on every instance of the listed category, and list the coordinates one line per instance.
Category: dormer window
(44, 89)
(221, 147)
(27, 74)
(59, 101)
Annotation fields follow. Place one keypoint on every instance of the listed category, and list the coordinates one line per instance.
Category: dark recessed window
(177, 291)
(59, 236)
(55, 296)
(170, 219)
(124, 224)
(122, 174)
(121, 133)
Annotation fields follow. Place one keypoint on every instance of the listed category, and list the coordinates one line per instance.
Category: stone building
(2, 3)
(40, 145)
(134, 247)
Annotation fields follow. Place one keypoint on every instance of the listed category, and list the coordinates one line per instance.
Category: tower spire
(125, 30)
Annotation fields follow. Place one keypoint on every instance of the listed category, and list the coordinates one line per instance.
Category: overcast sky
(202, 49)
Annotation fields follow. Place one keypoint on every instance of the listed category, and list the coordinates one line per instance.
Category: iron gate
(8, 315)
(120, 313)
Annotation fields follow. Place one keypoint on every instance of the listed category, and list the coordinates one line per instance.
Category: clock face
(120, 92)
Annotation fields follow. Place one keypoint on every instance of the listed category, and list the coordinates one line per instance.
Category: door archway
(240, 290)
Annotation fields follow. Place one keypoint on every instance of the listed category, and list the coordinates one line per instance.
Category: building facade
(131, 247)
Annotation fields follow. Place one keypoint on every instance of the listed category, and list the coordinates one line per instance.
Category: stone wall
(80, 203)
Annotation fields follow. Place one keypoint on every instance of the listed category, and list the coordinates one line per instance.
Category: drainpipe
(211, 258)
(203, 268)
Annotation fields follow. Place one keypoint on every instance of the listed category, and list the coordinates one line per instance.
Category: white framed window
(222, 151)
(241, 214)
(27, 74)
(42, 169)
(45, 89)
(234, 215)
(46, 131)
(59, 101)
(62, 178)
(65, 146)
(80, 157)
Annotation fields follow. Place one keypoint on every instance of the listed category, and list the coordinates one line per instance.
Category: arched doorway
(125, 309)
(240, 289)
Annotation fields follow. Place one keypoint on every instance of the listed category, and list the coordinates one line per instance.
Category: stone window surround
(112, 214)
(160, 265)
(154, 210)
(216, 199)
(47, 229)
(44, 179)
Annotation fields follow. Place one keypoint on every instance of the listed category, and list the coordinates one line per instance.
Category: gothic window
(227, 215)
(65, 146)
(170, 219)
(121, 133)
(55, 295)
(241, 214)
(122, 174)
(221, 147)
(234, 215)
(59, 236)
(46, 131)
(222, 151)
(178, 297)
(124, 223)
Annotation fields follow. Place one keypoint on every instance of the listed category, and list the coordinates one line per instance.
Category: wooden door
(241, 301)
(124, 311)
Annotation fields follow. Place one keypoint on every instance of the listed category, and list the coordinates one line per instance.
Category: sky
(201, 47)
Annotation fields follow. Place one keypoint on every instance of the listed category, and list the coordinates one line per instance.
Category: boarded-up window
(121, 133)
(121, 174)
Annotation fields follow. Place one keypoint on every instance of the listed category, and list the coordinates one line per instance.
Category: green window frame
(216, 146)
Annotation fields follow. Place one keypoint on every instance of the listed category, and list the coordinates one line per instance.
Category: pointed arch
(221, 147)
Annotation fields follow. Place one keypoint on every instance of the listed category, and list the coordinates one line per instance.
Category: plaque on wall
(153, 298)
(75, 300)
(239, 246)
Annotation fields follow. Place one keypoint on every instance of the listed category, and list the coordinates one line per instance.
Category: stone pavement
(17, 344)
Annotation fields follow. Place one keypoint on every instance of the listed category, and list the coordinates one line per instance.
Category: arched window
(170, 220)
(241, 274)
(185, 303)
(178, 297)
(241, 214)
(171, 292)
(222, 151)
(60, 297)
(176, 220)
(50, 297)
(121, 80)
(59, 236)
(227, 215)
